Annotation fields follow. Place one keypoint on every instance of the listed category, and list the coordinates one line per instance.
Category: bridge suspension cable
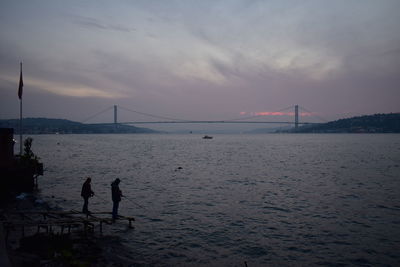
(97, 114)
(152, 115)
(306, 110)
(183, 120)
(175, 120)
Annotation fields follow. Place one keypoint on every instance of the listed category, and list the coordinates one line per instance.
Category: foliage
(377, 123)
(28, 153)
(29, 159)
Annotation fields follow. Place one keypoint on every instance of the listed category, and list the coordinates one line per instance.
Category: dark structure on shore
(377, 123)
(17, 173)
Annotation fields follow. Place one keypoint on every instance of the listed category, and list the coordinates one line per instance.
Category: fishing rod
(101, 198)
(123, 197)
(134, 202)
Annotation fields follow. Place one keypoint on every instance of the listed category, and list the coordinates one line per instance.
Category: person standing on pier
(116, 197)
(86, 193)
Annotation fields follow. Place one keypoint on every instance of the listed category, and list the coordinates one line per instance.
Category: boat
(207, 137)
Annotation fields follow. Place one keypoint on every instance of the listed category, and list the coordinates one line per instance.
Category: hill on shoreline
(62, 126)
(377, 123)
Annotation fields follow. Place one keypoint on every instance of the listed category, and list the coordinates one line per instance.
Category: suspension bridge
(157, 119)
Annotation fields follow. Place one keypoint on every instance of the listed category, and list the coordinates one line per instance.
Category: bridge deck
(206, 122)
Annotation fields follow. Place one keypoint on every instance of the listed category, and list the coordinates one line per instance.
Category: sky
(200, 60)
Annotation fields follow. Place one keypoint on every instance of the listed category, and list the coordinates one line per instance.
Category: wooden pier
(49, 221)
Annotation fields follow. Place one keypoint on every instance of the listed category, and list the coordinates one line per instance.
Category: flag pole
(20, 127)
(20, 109)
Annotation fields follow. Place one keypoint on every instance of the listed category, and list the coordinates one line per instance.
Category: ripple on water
(266, 199)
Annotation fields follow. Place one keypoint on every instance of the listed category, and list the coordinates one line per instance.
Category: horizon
(215, 127)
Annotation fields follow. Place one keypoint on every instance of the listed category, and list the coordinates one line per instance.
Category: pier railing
(64, 221)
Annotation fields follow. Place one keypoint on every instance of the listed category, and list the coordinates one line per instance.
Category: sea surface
(264, 200)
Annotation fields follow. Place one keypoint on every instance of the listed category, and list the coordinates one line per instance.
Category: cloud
(222, 55)
(206, 64)
(315, 39)
(65, 89)
(93, 23)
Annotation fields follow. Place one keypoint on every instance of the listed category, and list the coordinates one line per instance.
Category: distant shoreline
(61, 126)
(377, 123)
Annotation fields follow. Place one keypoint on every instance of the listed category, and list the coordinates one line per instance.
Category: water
(275, 199)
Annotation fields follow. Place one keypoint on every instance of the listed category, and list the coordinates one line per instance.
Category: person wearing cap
(86, 192)
(116, 194)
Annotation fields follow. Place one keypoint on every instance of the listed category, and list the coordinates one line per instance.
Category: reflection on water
(263, 199)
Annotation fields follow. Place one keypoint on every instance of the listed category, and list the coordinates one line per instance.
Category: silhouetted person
(86, 193)
(116, 197)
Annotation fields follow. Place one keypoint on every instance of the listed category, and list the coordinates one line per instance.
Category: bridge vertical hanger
(296, 116)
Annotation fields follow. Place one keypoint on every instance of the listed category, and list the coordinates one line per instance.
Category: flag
(21, 84)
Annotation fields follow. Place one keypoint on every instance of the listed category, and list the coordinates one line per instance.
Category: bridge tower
(115, 116)
(296, 116)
